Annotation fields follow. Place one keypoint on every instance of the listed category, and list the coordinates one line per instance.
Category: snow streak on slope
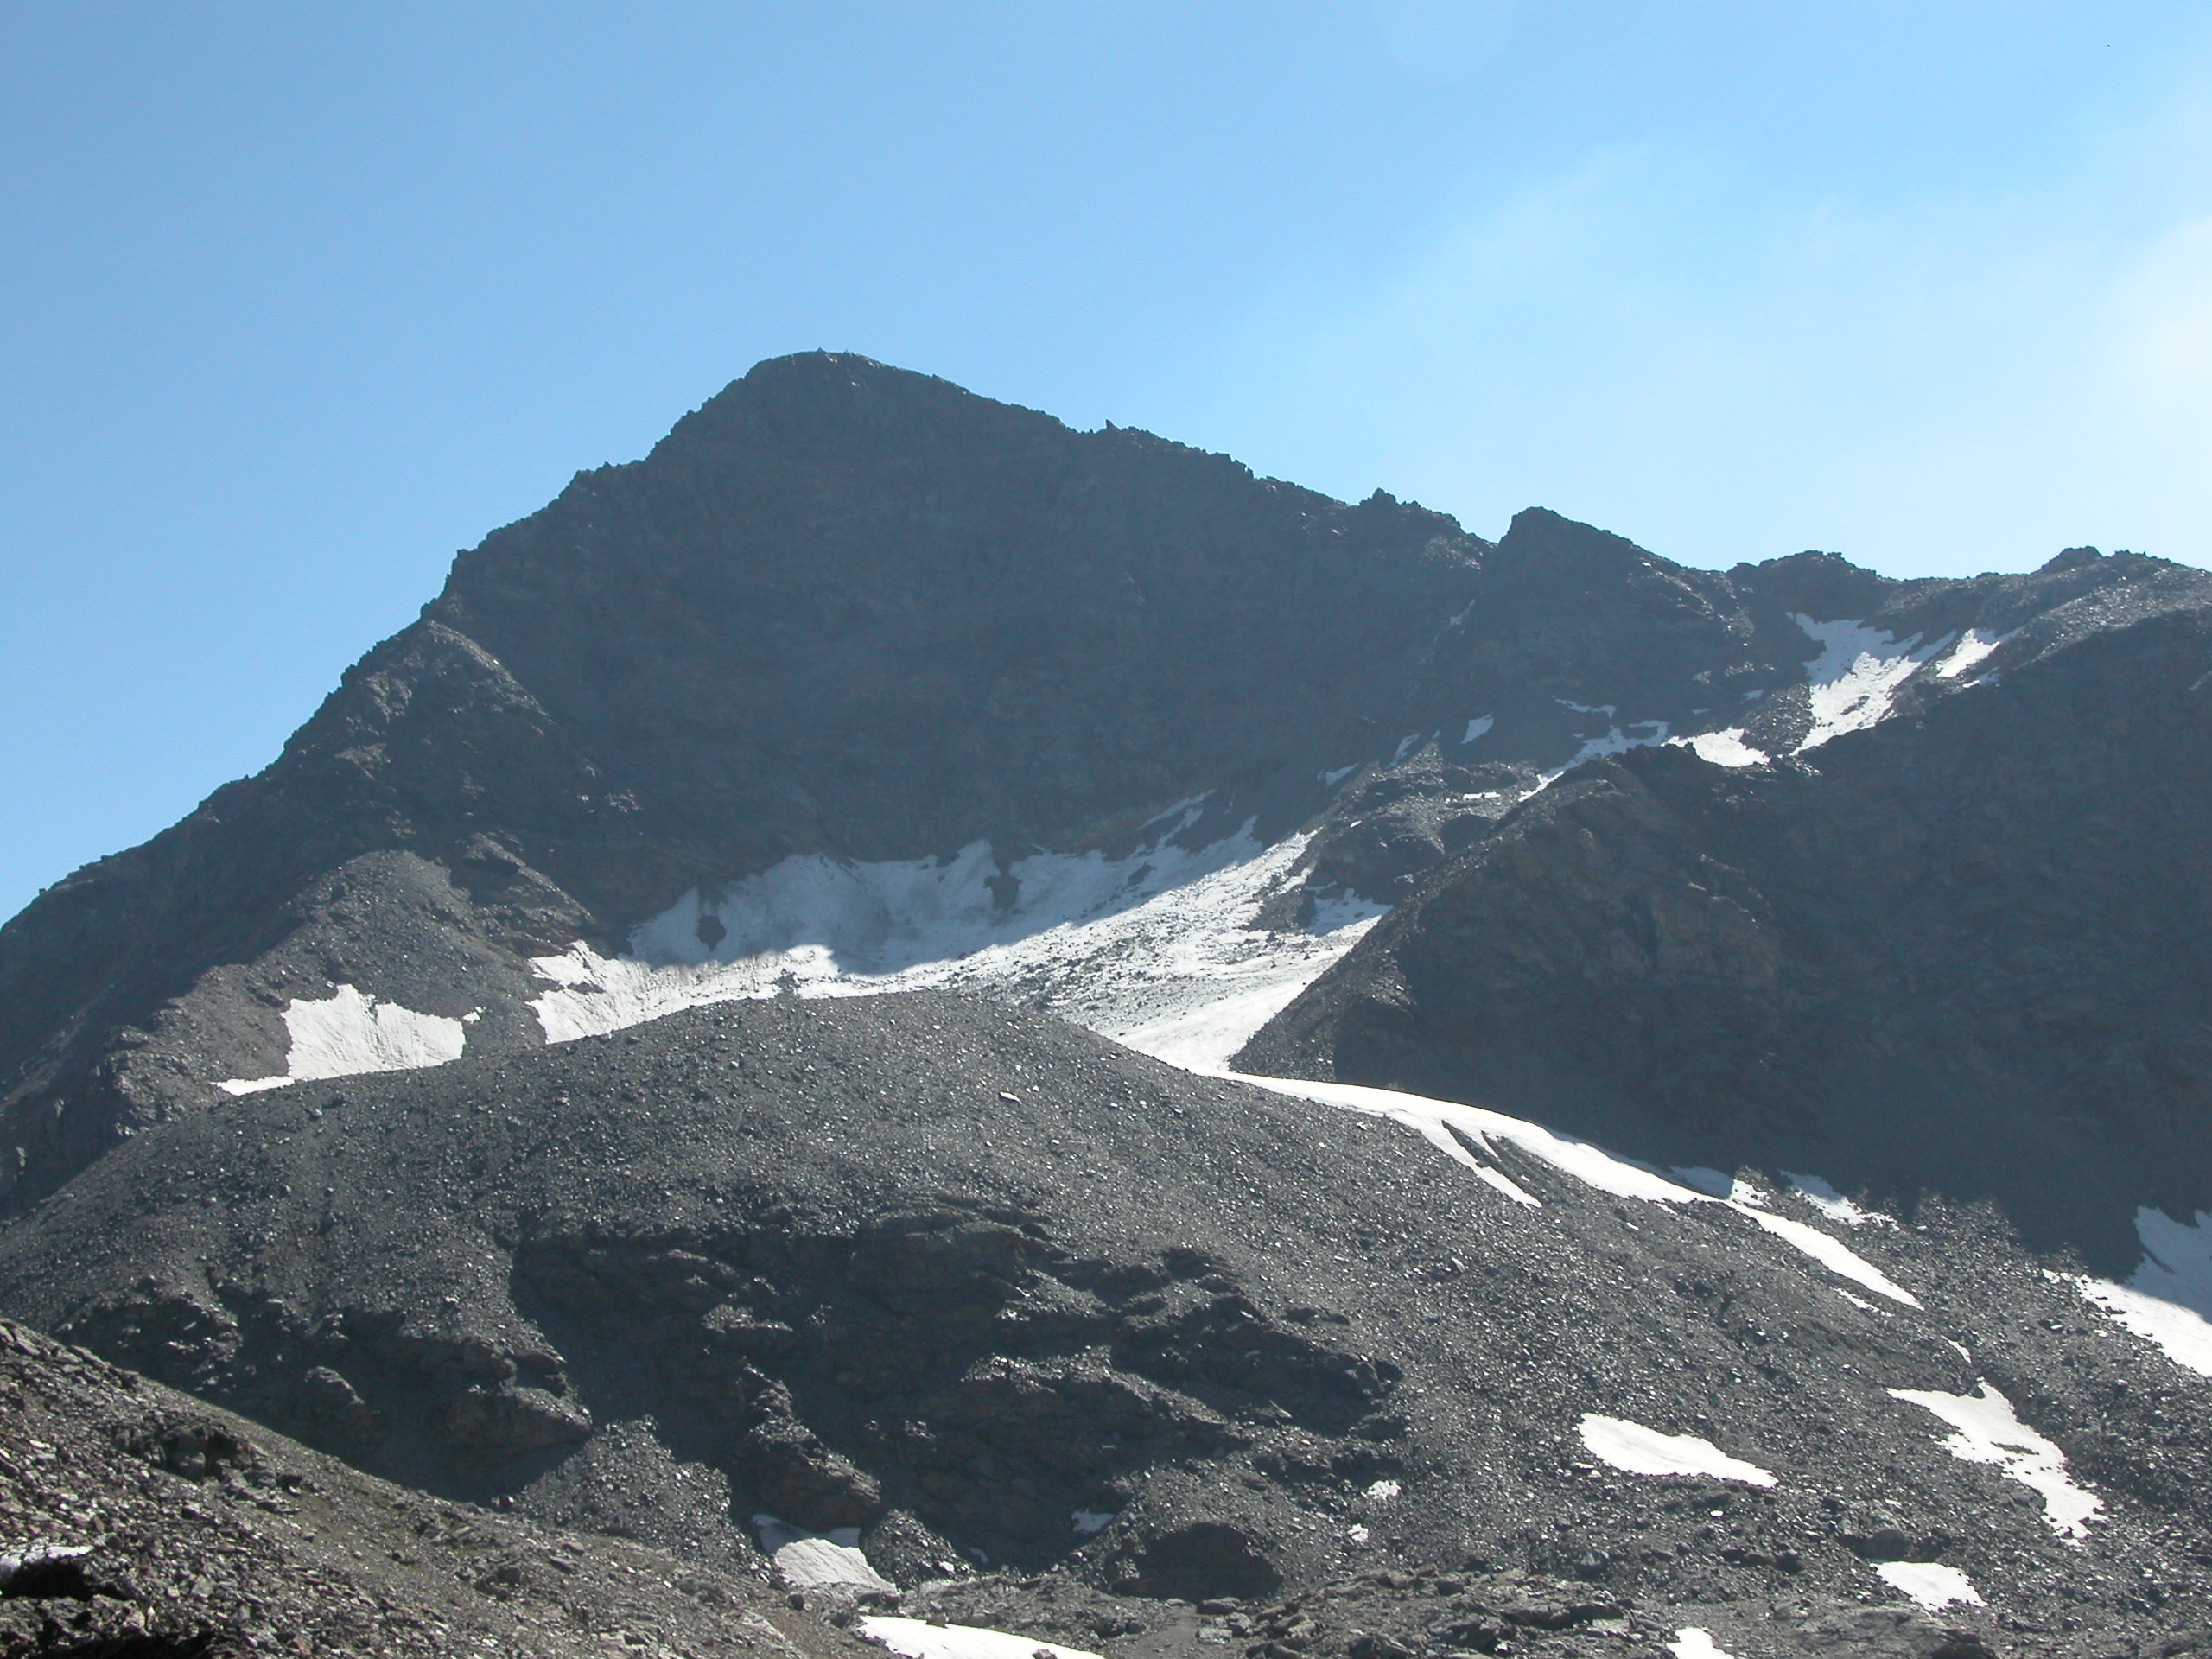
(347, 1033)
(1854, 680)
(1160, 943)
(1461, 1132)
(1988, 1430)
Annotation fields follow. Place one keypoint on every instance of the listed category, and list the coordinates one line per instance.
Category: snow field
(1156, 949)
(1616, 741)
(1854, 680)
(347, 1033)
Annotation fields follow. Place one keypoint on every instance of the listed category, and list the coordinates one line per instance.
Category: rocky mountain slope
(616, 1062)
(835, 667)
(996, 1294)
(140, 1523)
(1964, 950)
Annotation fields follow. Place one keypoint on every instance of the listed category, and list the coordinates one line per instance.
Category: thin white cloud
(1663, 340)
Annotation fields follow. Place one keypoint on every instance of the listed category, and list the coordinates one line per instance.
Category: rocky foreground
(137, 1521)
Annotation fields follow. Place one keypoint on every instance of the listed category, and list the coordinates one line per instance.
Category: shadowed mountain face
(852, 613)
(841, 609)
(1964, 952)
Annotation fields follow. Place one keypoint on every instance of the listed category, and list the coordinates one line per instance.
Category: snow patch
(1989, 1431)
(917, 1640)
(1723, 748)
(2181, 1334)
(1929, 1583)
(1973, 644)
(2177, 1265)
(1714, 1184)
(1641, 1450)
(1831, 1203)
(2167, 1298)
(1696, 1642)
(1639, 735)
(809, 1560)
(1382, 1491)
(348, 1033)
(1405, 747)
(811, 1563)
(1855, 679)
(1477, 726)
(1157, 950)
(1090, 1522)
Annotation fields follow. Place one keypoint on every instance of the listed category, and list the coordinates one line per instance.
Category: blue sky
(301, 299)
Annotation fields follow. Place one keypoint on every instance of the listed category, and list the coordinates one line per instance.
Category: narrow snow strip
(917, 1640)
(255, 1085)
(1929, 1583)
(1973, 644)
(1161, 949)
(1831, 1203)
(347, 1033)
(1641, 1451)
(1454, 1128)
(1724, 748)
(1989, 1431)
(1830, 1252)
(1855, 679)
(1592, 1165)
(1696, 1642)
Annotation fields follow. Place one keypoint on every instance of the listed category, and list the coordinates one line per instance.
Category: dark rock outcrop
(141, 1523)
(1965, 952)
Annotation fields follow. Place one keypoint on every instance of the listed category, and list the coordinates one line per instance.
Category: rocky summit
(900, 1025)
